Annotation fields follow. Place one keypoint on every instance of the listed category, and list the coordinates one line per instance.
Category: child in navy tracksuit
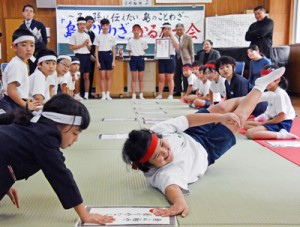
(32, 144)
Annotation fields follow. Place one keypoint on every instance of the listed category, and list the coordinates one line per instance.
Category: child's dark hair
(196, 63)
(135, 147)
(21, 32)
(104, 21)
(255, 47)
(61, 103)
(225, 60)
(30, 6)
(283, 81)
(74, 58)
(64, 104)
(80, 19)
(45, 52)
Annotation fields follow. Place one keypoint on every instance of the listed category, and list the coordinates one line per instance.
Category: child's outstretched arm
(87, 217)
(179, 205)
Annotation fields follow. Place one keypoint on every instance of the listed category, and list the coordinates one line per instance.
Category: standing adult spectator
(185, 55)
(207, 53)
(260, 33)
(88, 29)
(37, 28)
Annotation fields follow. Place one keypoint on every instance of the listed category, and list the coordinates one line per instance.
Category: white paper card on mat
(131, 216)
(119, 119)
(284, 143)
(150, 112)
(112, 136)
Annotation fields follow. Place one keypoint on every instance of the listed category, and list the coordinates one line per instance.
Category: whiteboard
(229, 30)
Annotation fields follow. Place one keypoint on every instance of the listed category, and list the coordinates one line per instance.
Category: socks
(86, 95)
(283, 134)
(262, 82)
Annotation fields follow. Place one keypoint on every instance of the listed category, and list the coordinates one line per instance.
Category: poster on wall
(123, 18)
(228, 30)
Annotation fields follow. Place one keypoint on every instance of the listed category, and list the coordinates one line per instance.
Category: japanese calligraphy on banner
(123, 18)
(229, 30)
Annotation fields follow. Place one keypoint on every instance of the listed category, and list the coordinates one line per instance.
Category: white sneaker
(108, 97)
(159, 97)
(103, 97)
(170, 97)
(77, 97)
(133, 96)
(141, 96)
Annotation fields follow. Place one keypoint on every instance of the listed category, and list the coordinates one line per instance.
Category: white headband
(47, 58)
(24, 38)
(166, 26)
(64, 57)
(75, 62)
(59, 118)
(81, 22)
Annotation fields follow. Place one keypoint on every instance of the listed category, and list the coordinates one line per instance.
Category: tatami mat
(249, 186)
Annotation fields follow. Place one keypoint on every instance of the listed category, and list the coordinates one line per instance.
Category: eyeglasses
(65, 65)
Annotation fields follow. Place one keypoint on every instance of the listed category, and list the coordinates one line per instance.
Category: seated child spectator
(73, 85)
(15, 77)
(187, 71)
(58, 80)
(38, 85)
(36, 146)
(236, 85)
(277, 121)
(217, 88)
(176, 152)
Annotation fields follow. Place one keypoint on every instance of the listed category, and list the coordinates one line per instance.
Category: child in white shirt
(279, 116)
(38, 85)
(136, 48)
(15, 77)
(176, 152)
(193, 81)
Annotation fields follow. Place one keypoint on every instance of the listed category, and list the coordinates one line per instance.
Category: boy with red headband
(174, 153)
(187, 71)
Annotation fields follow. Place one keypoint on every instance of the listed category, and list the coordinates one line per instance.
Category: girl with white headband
(32, 144)
(15, 76)
(38, 81)
(177, 152)
(59, 79)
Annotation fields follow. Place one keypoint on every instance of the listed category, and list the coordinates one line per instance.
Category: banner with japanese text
(123, 18)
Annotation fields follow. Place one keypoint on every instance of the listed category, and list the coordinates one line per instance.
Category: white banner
(123, 18)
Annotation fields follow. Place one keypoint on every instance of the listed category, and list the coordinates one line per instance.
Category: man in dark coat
(260, 33)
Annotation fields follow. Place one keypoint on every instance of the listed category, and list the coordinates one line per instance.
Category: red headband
(186, 68)
(196, 67)
(210, 66)
(150, 150)
(265, 72)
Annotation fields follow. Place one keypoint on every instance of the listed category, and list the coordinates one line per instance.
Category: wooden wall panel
(280, 11)
(293, 70)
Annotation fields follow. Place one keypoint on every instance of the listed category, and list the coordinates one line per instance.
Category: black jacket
(260, 33)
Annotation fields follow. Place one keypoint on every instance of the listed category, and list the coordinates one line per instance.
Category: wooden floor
(296, 104)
